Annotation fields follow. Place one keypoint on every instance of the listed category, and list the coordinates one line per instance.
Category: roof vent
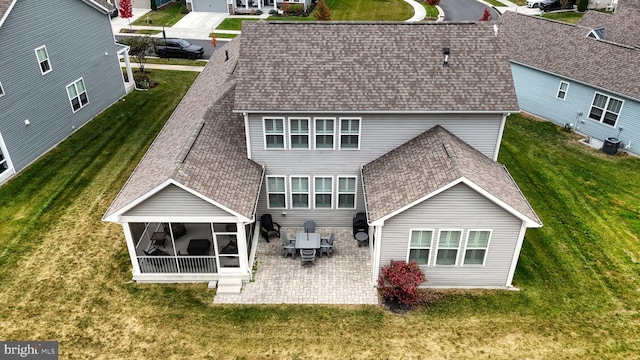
(226, 54)
(446, 53)
(495, 29)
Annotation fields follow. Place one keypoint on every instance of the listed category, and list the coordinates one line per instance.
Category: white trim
(131, 246)
(266, 190)
(290, 119)
(373, 112)
(6, 13)
(377, 243)
(247, 135)
(5, 175)
(284, 132)
(604, 109)
(499, 138)
(355, 192)
(516, 254)
(435, 257)
(530, 222)
(350, 134)
(1, 90)
(315, 133)
(47, 59)
(466, 247)
(290, 194)
(411, 230)
(565, 91)
(75, 86)
(331, 192)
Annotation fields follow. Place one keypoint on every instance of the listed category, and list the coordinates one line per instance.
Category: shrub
(399, 282)
(258, 12)
(582, 5)
(273, 12)
(296, 9)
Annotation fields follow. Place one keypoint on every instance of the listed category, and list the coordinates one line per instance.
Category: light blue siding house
(568, 76)
(59, 68)
(407, 133)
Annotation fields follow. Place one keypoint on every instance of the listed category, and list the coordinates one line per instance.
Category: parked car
(557, 5)
(113, 12)
(178, 48)
(534, 4)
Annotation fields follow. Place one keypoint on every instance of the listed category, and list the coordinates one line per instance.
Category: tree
(126, 10)
(582, 5)
(322, 12)
(486, 16)
(139, 47)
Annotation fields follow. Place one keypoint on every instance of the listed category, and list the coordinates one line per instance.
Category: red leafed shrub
(399, 282)
(433, 2)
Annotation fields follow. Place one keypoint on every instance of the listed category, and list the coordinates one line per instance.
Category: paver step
(229, 286)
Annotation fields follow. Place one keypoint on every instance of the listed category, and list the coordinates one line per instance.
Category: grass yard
(233, 23)
(432, 11)
(369, 10)
(65, 275)
(168, 16)
(570, 17)
(223, 36)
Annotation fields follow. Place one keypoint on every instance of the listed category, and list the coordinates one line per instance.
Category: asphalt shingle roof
(367, 67)
(428, 162)
(565, 50)
(622, 27)
(202, 145)
(4, 6)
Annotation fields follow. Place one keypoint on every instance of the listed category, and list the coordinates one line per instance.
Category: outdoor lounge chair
(326, 245)
(268, 227)
(307, 255)
(288, 247)
(309, 226)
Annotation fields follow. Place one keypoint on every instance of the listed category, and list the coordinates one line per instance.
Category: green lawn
(65, 274)
(370, 10)
(570, 17)
(432, 11)
(233, 23)
(168, 16)
(223, 36)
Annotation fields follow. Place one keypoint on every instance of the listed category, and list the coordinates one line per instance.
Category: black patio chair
(268, 227)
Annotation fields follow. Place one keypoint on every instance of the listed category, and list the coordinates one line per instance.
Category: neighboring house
(59, 68)
(567, 76)
(246, 6)
(621, 27)
(406, 131)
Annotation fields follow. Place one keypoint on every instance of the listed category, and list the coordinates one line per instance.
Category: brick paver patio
(345, 278)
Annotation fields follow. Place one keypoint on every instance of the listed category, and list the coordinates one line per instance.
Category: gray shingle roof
(328, 66)
(622, 27)
(4, 7)
(202, 145)
(428, 162)
(565, 50)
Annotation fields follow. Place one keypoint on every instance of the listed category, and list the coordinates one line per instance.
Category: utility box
(611, 146)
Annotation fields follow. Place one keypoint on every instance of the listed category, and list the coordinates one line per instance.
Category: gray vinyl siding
(379, 134)
(459, 208)
(537, 91)
(174, 201)
(76, 37)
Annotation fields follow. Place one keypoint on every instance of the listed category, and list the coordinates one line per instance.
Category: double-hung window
(325, 132)
(299, 192)
(562, 90)
(273, 133)
(347, 192)
(77, 95)
(448, 245)
(605, 109)
(299, 133)
(420, 246)
(323, 190)
(276, 192)
(349, 133)
(43, 59)
(477, 244)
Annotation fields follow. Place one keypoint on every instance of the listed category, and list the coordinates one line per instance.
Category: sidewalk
(509, 6)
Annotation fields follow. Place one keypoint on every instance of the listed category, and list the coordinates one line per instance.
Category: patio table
(307, 240)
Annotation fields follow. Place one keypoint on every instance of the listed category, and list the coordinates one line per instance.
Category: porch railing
(178, 264)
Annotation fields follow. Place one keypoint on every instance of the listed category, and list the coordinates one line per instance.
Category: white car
(535, 4)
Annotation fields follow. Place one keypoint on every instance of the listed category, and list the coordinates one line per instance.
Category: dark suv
(178, 48)
(556, 5)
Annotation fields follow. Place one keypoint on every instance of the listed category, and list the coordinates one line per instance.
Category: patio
(344, 278)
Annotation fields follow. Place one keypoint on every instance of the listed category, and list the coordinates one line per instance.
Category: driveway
(465, 10)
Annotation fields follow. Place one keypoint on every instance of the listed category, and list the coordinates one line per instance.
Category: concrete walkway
(419, 12)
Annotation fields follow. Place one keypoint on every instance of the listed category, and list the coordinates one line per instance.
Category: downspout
(500, 132)
(516, 255)
(246, 135)
(377, 232)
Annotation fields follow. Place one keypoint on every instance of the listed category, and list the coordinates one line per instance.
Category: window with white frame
(562, 90)
(4, 165)
(299, 192)
(276, 192)
(349, 133)
(605, 109)
(448, 245)
(347, 192)
(1, 90)
(325, 132)
(299, 133)
(273, 133)
(43, 59)
(420, 246)
(77, 95)
(476, 249)
(323, 189)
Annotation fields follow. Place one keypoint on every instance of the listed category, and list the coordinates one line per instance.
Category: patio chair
(268, 227)
(288, 247)
(326, 245)
(309, 226)
(307, 255)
